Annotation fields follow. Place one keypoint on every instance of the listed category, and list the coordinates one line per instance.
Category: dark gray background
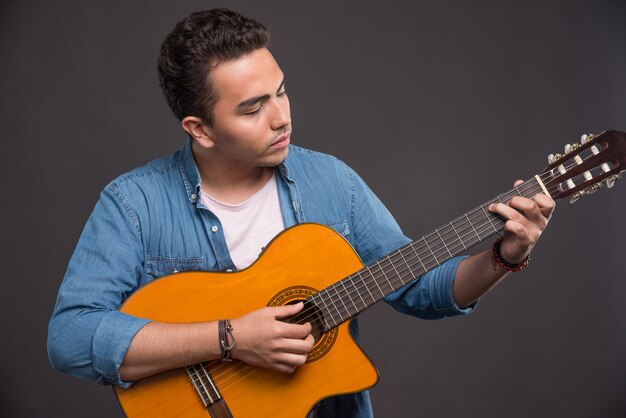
(439, 106)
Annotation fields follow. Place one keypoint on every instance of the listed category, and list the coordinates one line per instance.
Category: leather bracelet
(225, 329)
(497, 258)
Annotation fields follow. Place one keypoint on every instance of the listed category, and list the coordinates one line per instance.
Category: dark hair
(197, 43)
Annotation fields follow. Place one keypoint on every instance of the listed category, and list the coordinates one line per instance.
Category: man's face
(251, 118)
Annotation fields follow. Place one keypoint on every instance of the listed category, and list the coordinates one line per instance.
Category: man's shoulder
(319, 173)
(305, 158)
(153, 172)
(302, 152)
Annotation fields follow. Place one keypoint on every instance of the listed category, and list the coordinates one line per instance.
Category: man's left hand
(525, 221)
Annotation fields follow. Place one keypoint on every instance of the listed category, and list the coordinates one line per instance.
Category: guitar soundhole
(310, 313)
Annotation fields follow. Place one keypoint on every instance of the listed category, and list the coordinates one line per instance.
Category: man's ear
(198, 130)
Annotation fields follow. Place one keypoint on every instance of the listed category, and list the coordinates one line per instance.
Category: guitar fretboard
(351, 295)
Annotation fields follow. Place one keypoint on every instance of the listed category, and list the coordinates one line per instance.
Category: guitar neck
(353, 294)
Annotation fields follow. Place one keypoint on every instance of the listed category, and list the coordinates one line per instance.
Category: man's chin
(277, 158)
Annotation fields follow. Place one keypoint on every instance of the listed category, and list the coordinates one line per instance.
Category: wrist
(498, 260)
(226, 339)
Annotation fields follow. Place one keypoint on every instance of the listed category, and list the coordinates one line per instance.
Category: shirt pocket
(159, 265)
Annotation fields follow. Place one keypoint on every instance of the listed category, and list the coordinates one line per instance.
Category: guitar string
(237, 374)
(226, 382)
(249, 369)
(211, 383)
(436, 250)
(548, 184)
(367, 272)
(207, 395)
(533, 188)
(420, 250)
(383, 265)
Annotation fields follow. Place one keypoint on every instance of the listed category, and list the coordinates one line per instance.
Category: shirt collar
(191, 174)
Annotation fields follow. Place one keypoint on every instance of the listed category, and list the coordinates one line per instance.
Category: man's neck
(229, 182)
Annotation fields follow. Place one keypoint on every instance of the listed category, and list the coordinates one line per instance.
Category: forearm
(159, 346)
(475, 276)
(261, 339)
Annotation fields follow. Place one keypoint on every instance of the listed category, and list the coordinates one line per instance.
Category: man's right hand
(265, 341)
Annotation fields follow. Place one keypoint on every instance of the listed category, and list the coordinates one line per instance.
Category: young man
(217, 202)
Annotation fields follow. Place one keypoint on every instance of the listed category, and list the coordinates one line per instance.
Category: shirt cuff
(441, 289)
(430, 297)
(110, 343)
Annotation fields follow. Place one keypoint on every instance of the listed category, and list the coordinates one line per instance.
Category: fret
(444, 243)
(528, 191)
(457, 234)
(332, 301)
(417, 256)
(356, 309)
(396, 271)
(366, 286)
(429, 249)
(342, 303)
(371, 272)
(385, 276)
(489, 219)
(470, 222)
(537, 186)
(324, 314)
(357, 290)
(407, 264)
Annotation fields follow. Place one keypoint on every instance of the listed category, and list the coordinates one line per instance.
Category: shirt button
(229, 270)
(214, 228)
(194, 197)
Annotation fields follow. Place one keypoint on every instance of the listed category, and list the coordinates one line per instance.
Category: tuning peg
(586, 138)
(571, 147)
(576, 196)
(610, 181)
(593, 188)
(554, 157)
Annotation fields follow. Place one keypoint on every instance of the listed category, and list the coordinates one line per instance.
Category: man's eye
(281, 93)
(253, 112)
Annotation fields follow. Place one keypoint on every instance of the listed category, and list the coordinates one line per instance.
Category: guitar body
(296, 264)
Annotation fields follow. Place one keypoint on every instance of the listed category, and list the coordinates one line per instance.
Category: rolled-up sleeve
(431, 296)
(87, 335)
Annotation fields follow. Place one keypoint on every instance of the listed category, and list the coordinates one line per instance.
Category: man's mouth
(282, 141)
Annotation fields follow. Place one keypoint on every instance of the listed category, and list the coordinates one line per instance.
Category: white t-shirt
(250, 225)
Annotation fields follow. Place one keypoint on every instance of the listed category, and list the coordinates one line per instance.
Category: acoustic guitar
(314, 264)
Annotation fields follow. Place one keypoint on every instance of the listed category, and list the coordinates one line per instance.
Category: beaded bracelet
(497, 258)
(224, 329)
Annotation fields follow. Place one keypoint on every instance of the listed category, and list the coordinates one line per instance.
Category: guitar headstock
(584, 168)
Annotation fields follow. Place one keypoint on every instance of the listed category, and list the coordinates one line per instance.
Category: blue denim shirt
(150, 222)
